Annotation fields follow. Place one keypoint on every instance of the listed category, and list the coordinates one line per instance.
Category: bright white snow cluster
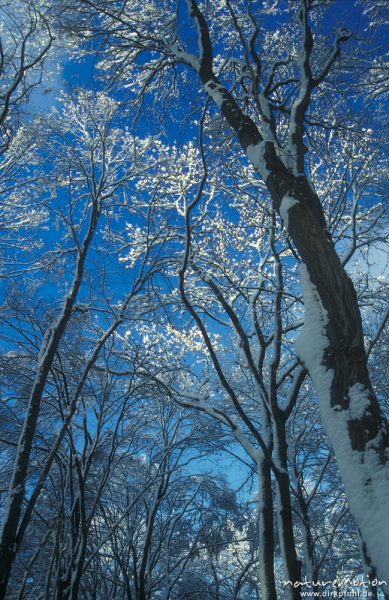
(214, 91)
(256, 155)
(286, 205)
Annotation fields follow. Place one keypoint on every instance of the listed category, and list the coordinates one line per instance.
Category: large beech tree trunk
(365, 449)
(355, 424)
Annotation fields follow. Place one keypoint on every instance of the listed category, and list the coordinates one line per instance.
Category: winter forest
(194, 300)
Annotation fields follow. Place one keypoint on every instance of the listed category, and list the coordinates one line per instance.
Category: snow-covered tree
(187, 260)
(272, 89)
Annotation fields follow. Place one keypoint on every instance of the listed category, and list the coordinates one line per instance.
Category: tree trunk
(292, 565)
(46, 357)
(351, 416)
(309, 549)
(265, 532)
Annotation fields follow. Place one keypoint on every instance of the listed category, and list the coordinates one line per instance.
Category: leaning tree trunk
(337, 360)
(49, 347)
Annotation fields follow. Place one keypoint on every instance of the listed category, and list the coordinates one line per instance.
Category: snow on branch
(342, 36)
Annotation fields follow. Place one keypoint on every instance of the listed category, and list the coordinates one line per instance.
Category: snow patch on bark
(214, 91)
(286, 205)
(256, 155)
(186, 57)
(359, 401)
(365, 478)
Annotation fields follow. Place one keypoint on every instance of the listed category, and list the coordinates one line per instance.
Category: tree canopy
(194, 279)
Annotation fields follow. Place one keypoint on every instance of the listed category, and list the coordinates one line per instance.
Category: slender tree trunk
(18, 480)
(309, 550)
(73, 584)
(46, 358)
(292, 565)
(266, 532)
